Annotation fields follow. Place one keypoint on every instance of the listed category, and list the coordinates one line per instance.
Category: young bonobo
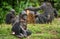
(30, 16)
(20, 27)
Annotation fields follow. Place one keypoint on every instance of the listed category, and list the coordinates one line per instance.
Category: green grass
(39, 31)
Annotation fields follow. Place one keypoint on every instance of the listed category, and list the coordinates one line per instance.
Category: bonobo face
(25, 16)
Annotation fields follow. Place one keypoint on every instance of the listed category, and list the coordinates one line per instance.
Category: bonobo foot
(20, 35)
(13, 33)
(24, 35)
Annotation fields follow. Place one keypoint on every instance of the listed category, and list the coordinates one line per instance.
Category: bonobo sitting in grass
(20, 27)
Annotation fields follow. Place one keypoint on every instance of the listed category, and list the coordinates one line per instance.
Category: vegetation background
(39, 31)
(19, 5)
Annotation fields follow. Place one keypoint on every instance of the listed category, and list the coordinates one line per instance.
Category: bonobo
(48, 10)
(10, 16)
(20, 27)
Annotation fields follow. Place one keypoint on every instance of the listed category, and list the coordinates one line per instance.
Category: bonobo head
(23, 12)
(12, 11)
(23, 15)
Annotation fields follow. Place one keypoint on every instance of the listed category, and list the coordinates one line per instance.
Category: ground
(39, 31)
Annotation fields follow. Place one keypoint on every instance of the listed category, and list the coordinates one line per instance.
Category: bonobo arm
(23, 31)
(33, 9)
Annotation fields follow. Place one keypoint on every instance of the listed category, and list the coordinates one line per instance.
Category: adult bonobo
(10, 16)
(20, 27)
(48, 10)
